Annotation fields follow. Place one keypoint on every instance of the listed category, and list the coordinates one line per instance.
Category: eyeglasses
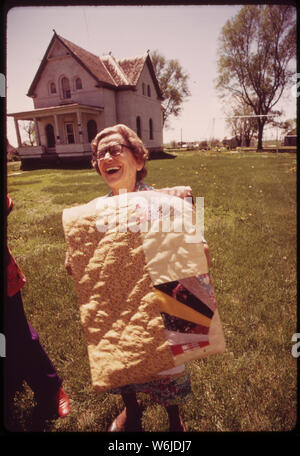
(114, 150)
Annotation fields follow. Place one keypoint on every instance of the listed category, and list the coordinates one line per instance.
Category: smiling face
(119, 172)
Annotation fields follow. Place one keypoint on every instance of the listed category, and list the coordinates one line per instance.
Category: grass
(250, 226)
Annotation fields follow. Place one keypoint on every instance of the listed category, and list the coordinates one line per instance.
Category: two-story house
(76, 94)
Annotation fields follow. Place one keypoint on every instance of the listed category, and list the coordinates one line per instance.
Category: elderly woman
(119, 156)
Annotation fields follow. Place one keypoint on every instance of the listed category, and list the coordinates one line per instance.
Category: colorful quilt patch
(187, 306)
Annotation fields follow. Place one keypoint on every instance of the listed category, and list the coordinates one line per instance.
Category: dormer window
(52, 88)
(143, 89)
(148, 91)
(65, 85)
(78, 84)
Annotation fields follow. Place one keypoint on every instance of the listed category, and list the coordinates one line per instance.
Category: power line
(252, 115)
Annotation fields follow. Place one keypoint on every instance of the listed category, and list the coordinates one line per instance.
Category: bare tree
(29, 130)
(243, 126)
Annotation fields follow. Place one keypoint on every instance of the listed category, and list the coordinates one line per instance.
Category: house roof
(91, 62)
(106, 70)
(65, 108)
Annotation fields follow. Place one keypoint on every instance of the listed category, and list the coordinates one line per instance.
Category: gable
(132, 68)
(115, 70)
(135, 67)
(60, 47)
(55, 69)
(57, 50)
(106, 71)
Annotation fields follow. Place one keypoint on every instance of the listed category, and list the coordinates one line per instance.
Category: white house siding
(124, 108)
(109, 113)
(70, 68)
(148, 108)
(58, 50)
(133, 104)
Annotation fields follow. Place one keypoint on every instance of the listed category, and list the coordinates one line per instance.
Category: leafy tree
(243, 126)
(173, 83)
(288, 125)
(256, 50)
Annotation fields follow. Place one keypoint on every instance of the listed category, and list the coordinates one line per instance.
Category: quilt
(145, 296)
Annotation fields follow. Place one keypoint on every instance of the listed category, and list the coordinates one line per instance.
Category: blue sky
(184, 32)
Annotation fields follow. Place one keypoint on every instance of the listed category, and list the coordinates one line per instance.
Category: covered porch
(61, 134)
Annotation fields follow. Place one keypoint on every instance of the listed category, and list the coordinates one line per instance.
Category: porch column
(18, 132)
(79, 122)
(37, 132)
(57, 137)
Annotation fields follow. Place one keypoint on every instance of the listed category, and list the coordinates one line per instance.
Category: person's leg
(129, 420)
(170, 392)
(39, 371)
(175, 421)
(27, 351)
(27, 360)
(133, 412)
(42, 377)
(13, 372)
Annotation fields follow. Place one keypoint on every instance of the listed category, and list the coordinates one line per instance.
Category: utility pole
(213, 131)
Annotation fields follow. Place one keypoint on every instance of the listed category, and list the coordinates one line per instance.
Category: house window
(149, 91)
(150, 129)
(52, 87)
(91, 129)
(78, 84)
(70, 133)
(138, 127)
(143, 89)
(65, 85)
(50, 135)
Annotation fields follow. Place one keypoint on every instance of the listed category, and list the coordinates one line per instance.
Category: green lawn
(250, 226)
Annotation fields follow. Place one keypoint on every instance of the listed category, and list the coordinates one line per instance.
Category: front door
(92, 129)
(50, 135)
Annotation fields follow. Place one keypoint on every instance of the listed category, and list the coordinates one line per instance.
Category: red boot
(62, 403)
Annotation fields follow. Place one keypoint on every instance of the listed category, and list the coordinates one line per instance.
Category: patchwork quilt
(145, 296)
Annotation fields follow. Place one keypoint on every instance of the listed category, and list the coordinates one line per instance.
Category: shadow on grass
(160, 155)
(30, 165)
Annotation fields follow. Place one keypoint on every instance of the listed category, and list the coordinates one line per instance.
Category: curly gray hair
(135, 144)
